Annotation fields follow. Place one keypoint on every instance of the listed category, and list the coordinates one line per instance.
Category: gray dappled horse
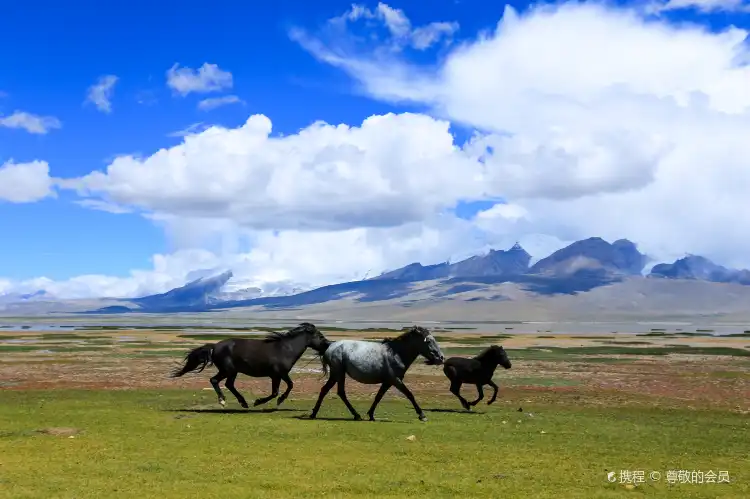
(384, 362)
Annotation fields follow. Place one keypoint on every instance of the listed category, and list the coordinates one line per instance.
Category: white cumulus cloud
(168, 271)
(25, 182)
(32, 123)
(207, 78)
(402, 33)
(100, 93)
(704, 6)
(601, 122)
(391, 170)
(214, 102)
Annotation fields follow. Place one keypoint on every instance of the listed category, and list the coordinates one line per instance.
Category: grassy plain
(93, 414)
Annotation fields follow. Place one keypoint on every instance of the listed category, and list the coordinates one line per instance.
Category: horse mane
(481, 355)
(391, 339)
(275, 336)
(400, 337)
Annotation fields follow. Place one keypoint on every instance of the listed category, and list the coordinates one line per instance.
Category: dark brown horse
(476, 371)
(272, 357)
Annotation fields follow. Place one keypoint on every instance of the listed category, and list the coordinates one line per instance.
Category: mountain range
(590, 275)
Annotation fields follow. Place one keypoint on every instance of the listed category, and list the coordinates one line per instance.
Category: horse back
(362, 360)
(353, 348)
(251, 356)
(462, 368)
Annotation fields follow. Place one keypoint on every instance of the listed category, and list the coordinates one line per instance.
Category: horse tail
(320, 354)
(198, 358)
(323, 363)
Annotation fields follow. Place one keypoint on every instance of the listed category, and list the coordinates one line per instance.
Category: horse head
(315, 338)
(427, 345)
(500, 356)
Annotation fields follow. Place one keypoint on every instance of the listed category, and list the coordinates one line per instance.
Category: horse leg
(480, 390)
(289, 385)
(323, 392)
(383, 388)
(275, 382)
(402, 388)
(342, 395)
(456, 390)
(494, 395)
(215, 380)
(230, 386)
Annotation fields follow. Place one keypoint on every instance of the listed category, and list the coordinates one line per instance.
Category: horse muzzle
(435, 362)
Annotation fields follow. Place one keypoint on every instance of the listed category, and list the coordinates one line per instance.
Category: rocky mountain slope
(514, 261)
(588, 275)
(500, 276)
(700, 268)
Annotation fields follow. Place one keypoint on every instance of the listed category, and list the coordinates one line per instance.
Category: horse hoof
(223, 403)
(423, 418)
(357, 418)
(257, 403)
(312, 416)
(244, 405)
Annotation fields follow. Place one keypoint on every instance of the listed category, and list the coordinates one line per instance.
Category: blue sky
(138, 41)
(60, 51)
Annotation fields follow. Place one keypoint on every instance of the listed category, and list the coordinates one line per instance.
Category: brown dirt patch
(679, 380)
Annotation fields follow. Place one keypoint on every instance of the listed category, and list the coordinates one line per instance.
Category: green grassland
(176, 443)
(570, 433)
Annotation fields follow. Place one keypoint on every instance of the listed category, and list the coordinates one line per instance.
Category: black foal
(476, 371)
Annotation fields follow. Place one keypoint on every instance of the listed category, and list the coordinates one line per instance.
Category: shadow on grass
(454, 411)
(306, 417)
(234, 411)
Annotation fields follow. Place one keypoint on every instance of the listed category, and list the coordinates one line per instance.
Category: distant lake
(201, 324)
